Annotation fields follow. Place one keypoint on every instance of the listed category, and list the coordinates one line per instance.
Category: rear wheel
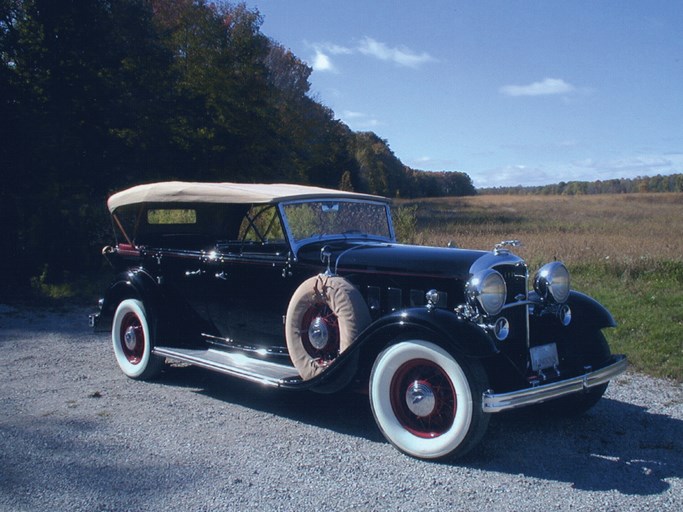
(132, 341)
(426, 402)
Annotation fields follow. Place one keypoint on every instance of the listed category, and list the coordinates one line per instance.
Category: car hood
(401, 259)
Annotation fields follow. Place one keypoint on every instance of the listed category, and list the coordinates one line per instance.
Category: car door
(250, 284)
(174, 243)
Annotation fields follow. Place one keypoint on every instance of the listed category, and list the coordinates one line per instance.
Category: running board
(237, 365)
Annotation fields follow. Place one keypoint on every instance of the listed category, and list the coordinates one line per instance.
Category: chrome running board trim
(235, 364)
(492, 402)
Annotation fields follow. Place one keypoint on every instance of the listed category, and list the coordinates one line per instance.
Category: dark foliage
(99, 95)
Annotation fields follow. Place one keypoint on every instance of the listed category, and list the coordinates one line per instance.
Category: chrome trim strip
(224, 364)
(492, 402)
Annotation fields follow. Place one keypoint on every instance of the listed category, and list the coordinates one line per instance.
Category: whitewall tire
(427, 403)
(132, 341)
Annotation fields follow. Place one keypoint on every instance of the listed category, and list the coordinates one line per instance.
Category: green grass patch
(647, 305)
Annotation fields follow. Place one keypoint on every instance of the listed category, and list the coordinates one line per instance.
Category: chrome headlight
(552, 282)
(487, 288)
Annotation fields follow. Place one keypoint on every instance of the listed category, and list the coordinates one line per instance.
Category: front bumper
(492, 402)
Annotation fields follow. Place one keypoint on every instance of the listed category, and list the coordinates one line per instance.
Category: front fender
(589, 312)
(439, 325)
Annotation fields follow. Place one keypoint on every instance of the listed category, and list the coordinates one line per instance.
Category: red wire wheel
(423, 398)
(132, 341)
(132, 336)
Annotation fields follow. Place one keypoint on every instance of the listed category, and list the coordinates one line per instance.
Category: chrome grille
(515, 280)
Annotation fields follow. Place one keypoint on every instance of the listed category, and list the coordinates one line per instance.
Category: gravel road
(76, 434)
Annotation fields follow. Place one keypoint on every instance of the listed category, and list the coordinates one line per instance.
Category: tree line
(658, 183)
(98, 95)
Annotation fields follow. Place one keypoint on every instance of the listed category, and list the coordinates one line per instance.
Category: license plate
(544, 356)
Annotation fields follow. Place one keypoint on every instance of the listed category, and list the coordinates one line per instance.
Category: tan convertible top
(245, 193)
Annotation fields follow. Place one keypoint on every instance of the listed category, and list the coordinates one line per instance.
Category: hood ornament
(502, 247)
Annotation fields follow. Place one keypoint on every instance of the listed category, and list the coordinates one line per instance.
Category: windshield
(333, 219)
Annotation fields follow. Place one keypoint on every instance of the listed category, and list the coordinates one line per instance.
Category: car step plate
(235, 364)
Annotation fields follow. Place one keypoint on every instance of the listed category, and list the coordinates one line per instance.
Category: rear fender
(132, 284)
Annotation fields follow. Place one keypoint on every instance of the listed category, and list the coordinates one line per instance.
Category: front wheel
(426, 402)
(132, 340)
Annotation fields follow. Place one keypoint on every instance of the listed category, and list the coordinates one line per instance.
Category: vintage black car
(306, 288)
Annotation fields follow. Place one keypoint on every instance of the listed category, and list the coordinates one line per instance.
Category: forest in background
(96, 96)
(658, 183)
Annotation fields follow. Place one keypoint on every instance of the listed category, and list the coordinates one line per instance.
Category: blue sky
(510, 92)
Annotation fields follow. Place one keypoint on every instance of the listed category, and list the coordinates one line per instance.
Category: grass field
(624, 250)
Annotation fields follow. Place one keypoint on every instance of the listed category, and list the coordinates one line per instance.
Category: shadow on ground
(616, 445)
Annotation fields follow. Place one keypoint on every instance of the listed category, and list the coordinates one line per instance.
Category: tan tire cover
(344, 301)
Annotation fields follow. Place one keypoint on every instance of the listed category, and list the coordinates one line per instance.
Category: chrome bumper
(492, 402)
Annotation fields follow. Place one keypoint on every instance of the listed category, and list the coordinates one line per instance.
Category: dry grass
(627, 230)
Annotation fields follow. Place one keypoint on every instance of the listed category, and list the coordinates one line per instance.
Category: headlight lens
(487, 288)
(552, 282)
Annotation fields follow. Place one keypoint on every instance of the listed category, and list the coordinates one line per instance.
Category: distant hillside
(659, 183)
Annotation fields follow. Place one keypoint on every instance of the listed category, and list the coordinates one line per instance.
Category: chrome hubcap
(318, 334)
(420, 398)
(130, 338)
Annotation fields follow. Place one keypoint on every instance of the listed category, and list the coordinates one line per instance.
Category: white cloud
(513, 175)
(322, 62)
(631, 167)
(428, 163)
(349, 114)
(321, 59)
(370, 47)
(402, 56)
(589, 169)
(547, 86)
(336, 49)
(359, 120)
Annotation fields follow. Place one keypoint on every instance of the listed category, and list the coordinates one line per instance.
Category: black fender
(438, 325)
(581, 342)
(589, 313)
(132, 284)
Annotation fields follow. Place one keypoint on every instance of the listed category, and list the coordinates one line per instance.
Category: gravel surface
(76, 434)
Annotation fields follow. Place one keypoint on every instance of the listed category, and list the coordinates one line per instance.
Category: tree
(97, 96)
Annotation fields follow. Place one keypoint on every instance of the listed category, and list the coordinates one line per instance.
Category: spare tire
(325, 315)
